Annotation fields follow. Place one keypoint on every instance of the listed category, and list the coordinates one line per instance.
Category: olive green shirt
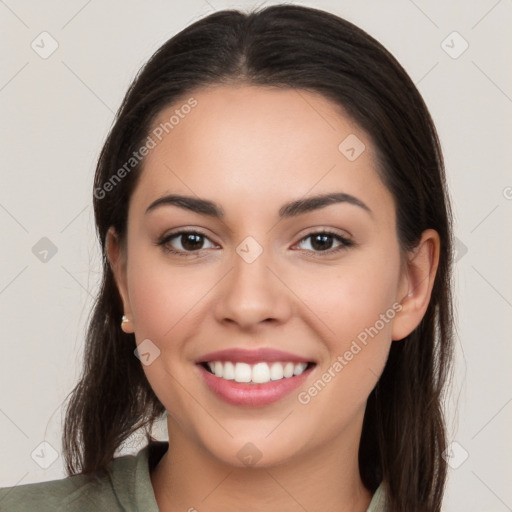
(126, 488)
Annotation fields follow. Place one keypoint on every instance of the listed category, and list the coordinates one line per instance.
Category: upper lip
(241, 355)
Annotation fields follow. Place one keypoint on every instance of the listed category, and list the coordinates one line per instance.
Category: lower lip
(241, 393)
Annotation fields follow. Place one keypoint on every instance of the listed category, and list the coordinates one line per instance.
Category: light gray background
(56, 113)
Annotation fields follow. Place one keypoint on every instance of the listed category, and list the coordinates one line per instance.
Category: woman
(276, 231)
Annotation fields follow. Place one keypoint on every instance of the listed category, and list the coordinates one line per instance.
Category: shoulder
(73, 493)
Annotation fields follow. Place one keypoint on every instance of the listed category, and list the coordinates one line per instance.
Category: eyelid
(342, 233)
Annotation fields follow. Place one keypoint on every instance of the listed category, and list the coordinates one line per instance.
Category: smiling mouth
(258, 373)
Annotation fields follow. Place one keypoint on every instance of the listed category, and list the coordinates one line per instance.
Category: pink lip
(241, 393)
(240, 355)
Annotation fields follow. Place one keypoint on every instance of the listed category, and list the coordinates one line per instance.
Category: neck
(190, 478)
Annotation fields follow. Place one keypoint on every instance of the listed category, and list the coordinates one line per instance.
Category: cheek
(163, 296)
(351, 298)
(354, 310)
(165, 301)
(358, 313)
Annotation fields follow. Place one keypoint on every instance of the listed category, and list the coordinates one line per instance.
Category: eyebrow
(292, 209)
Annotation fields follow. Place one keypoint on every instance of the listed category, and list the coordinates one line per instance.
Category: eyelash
(345, 242)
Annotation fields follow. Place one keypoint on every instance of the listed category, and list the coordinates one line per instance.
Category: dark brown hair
(301, 48)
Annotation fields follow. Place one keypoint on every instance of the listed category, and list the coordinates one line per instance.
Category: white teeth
(299, 368)
(288, 370)
(276, 371)
(260, 373)
(228, 372)
(218, 368)
(242, 372)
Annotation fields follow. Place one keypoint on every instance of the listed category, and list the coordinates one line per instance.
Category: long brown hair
(301, 48)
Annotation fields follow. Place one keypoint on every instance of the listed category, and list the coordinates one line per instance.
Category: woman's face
(259, 275)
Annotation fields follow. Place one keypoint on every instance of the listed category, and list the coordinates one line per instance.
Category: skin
(251, 150)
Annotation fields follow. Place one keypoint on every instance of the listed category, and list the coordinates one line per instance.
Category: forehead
(258, 145)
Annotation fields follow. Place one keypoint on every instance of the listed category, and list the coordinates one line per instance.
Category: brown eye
(323, 242)
(185, 242)
(191, 241)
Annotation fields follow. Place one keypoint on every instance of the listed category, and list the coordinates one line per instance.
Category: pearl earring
(126, 325)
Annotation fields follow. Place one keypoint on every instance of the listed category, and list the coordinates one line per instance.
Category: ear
(416, 283)
(117, 258)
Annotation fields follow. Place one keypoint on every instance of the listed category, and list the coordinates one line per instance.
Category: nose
(253, 293)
